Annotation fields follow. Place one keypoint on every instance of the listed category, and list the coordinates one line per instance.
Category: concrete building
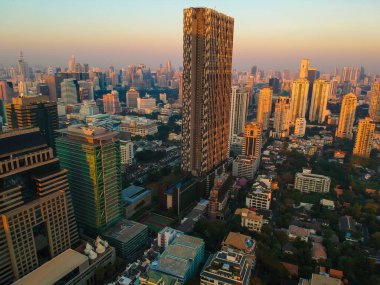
(245, 166)
(157, 278)
(239, 107)
(304, 68)
(264, 107)
(226, 267)
(218, 198)
(182, 258)
(364, 137)
(37, 217)
(92, 156)
(146, 103)
(241, 244)
(347, 116)
(127, 237)
(252, 142)
(300, 127)
(134, 198)
(282, 114)
(374, 107)
(131, 98)
(250, 219)
(319, 279)
(126, 152)
(321, 91)
(166, 236)
(259, 198)
(300, 89)
(138, 126)
(207, 74)
(69, 92)
(307, 182)
(111, 103)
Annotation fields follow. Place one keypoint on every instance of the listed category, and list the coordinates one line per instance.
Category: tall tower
(72, 64)
(282, 116)
(321, 91)
(69, 92)
(374, 107)
(239, 105)
(36, 214)
(34, 111)
(347, 116)
(300, 88)
(364, 137)
(23, 69)
(131, 98)
(304, 68)
(207, 72)
(92, 157)
(252, 141)
(264, 107)
(111, 103)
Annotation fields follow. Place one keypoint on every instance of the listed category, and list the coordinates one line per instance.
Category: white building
(300, 127)
(239, 103)
(250, 220)
(307, 182)
(69, 94)
(245, 166)
(148, 103)
(259, 198)
(126, 152)
(166, 236)
(138, 126)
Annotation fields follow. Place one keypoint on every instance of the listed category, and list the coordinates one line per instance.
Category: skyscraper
(252, 141)
(23, 69)
(347, 116)
(364, 137)
(207, 70)
(374, 107)
(300, 88)
(239, 105)
(34, 111)
(37, 218)
(92, 157)
(282, 116)
(300, 127)
(111, 103)
(304, 68)
(71, 64)
(131, 98)
(264, 107)
(321, 91)
(69, 92)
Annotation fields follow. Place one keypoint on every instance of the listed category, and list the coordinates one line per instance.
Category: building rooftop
(248, 214)
(91, 134)
(133, 193)
(124, 230)
(240, 241)
(179, 255)
(55, 269)
(318, 279)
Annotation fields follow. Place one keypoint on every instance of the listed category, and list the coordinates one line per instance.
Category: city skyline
(104, 34)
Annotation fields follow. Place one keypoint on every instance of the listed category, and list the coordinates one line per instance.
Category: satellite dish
(88, 249)
(100, 248)
(92, 255)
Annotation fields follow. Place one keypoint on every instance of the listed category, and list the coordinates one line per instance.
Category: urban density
(193, 173)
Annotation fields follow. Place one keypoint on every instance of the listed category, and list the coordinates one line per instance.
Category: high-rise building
(252, 141)
(148, 103)
(72, 64)
(23, 69)
(307, 182)
(6, 91)
(92, 157)
(333, 89)
(321, 91)
(274, 82)
(53, 82)
(347, 116)
(37, 218)
(239, 105)
(364, 137)
(131, 98)
(300, 88)
(69, 92)
(264, 107)
(374, 107)
(254, 70)
(34, 111)
(207, 70)
(282, 113)
(304, 68)
(300, 127)
(111, 103)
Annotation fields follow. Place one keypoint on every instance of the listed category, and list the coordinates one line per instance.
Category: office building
(307, 182)
(264, 107)
(127, 237)
(92, 157)
(239, 107)
(274, 82)
(6, 91)
(146, 103)
(364, 137)
(131, 98)
(166, 236)
(347, 116)
(282, 112)
(69, 92)
(206, 89)
(218, 198)
(252, 141)
(182, 258)
(374, 107)
(71, 64)
(226, 267)
(111, 103)
(138, 126)
(86, 90)
(23, 69)
(304, 68)
(126, 152)
(34, 111)
(135, 198)
(300, 89)
(250, 219)
(300, 127)
(53, 81)
(245, 166)
(259, 198)
(321, 91)
(37, 217)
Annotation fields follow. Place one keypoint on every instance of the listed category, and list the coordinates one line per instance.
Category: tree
(281, 238)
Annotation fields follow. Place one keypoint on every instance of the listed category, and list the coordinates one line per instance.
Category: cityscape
(209, 167)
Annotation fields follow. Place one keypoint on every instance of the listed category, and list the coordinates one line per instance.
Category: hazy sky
(272, 34)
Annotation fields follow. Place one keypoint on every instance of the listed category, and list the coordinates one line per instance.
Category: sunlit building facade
(364, 137)
(300, 89)
(321, 91)
(347, 116)
(264, 107)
